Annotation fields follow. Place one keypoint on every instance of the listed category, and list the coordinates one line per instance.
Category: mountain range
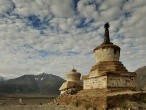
(28, 84)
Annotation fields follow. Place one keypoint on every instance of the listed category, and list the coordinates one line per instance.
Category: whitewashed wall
(106, 55)
(111, 81)
(114, 81)
(99, 82)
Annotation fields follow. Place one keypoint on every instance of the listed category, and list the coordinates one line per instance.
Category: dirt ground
(32, 104)
(40, 107)
(26, 101)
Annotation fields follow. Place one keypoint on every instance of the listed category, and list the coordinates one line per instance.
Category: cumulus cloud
(54, 36)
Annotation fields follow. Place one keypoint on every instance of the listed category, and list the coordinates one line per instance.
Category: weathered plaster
(107, 54)
(114, 81)
(93, 83)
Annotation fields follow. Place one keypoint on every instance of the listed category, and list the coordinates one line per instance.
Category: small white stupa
(72, 82)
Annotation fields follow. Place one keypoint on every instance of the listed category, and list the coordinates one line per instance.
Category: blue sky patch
(10, 10)
(36, 22)
(72, 53)
(27, 46)
(82, 23)
(43, 53)
(74, 5)
(127, 14)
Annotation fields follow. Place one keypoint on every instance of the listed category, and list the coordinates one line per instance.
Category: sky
(54, 36)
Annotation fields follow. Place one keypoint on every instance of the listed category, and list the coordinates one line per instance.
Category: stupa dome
(73, 75)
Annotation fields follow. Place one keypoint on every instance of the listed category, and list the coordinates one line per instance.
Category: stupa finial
(74, 70)
(106, 34)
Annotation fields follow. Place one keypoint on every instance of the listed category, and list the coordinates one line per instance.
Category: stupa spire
(74, 70)
(106, 34)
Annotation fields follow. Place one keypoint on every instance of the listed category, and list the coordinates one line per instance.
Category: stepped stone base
(115, 66)
(109, 74)
(68, 86)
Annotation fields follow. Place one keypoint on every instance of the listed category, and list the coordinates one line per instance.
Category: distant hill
(28, 84)
(141, 78)
(2, 79)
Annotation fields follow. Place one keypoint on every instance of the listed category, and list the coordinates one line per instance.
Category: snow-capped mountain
(2, 79)
(42, 83)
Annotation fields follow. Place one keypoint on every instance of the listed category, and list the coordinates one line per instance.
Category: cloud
(64, 8)
(54, 36)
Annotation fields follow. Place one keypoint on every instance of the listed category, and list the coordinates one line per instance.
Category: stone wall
(111, 81)
(92, 83)
(117, 81)
(107, 54)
